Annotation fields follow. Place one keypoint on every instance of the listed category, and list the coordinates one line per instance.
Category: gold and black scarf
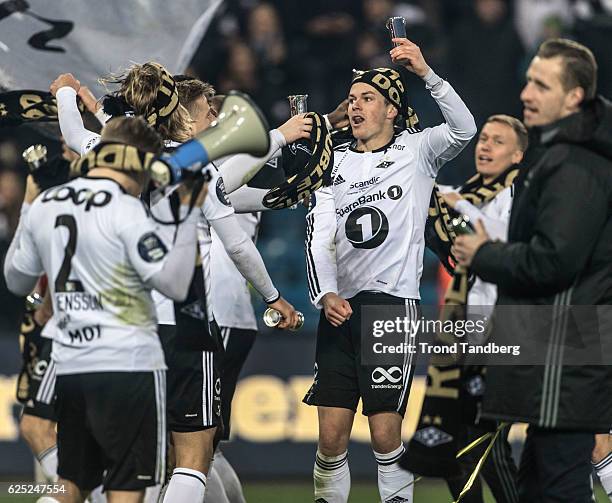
(316, 173)
(451, 402)
(28, 105)
(440, 236)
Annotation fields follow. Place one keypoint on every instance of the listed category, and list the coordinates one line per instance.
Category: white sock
(215, 493)
(393, 481)
(47, 499)
(152, 494)
(48, 462)
(332, 478)
(604, 472)
(229, 478)
(186, 485)
(96, 496)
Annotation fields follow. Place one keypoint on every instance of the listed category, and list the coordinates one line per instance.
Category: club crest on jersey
(221, 195)
(151, 248)
(384, 164)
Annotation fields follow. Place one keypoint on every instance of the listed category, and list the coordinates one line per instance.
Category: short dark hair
(579, 65)
(517, 126)
(191, 89)
(133, 131)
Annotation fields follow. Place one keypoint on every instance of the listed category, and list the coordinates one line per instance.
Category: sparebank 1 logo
(40, 41)
(392, 375)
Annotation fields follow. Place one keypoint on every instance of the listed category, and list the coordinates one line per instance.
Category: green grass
(301, 492)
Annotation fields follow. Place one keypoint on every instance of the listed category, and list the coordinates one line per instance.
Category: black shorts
(340, 379)
(36, 381)
(194, 385)
(238, 343)
(112, 429)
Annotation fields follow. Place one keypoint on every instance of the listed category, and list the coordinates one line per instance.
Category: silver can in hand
(272, 318)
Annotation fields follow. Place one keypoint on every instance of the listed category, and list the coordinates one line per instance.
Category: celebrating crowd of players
(144, 293)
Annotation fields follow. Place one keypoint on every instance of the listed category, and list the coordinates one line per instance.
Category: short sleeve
(216, 205)
(143, 242)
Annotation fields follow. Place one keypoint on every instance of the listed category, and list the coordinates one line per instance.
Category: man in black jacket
(557, 255)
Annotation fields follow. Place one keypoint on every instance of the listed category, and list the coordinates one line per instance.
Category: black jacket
(558, 254)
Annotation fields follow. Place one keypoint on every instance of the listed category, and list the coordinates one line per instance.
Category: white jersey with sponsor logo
(366, 231)
(232, 300)
(215, 206)
(98, 246)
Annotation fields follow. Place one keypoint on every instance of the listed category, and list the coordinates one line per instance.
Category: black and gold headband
(167, 99)
(387, 82)
(118, 156)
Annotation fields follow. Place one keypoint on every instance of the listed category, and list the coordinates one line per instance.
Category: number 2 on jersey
(61, 280)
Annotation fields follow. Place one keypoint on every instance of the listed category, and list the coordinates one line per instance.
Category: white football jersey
(232, 300)
(366, 231)
(98, 246)
(216, 205)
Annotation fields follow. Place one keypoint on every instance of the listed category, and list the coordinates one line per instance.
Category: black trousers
(556, 467)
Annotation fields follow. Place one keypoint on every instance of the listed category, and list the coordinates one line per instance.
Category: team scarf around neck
(450, 405)
(28, 105)
(316, 173)
(440, 235)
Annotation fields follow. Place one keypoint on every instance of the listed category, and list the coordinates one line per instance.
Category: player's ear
(391, 112)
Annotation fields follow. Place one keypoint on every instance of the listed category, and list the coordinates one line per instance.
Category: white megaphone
(239, 128)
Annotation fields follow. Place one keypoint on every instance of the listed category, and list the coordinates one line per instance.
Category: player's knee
(333, 442)
(603, 447)
(386, 437)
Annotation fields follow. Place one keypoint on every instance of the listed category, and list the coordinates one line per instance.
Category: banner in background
(40, 39)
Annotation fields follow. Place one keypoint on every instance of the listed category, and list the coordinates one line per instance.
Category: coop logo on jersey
(84, 196)
(151, 248)
(370, 198)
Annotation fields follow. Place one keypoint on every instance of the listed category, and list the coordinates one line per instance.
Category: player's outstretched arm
(79, 139)
(441, 143)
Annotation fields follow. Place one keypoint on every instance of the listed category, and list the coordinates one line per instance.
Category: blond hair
(139, 86)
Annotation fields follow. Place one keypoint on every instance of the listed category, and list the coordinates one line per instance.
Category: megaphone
(239, 128)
